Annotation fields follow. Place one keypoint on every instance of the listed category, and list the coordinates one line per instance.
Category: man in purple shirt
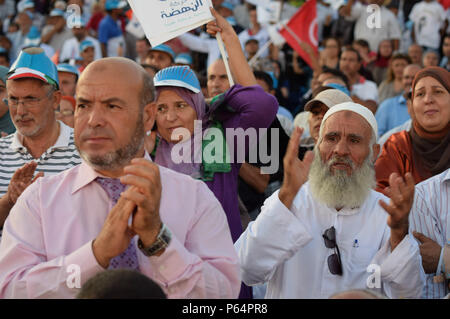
(65, 229)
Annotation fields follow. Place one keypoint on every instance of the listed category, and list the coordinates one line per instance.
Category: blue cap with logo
(34, 63)
(164, 48)
(179, 76)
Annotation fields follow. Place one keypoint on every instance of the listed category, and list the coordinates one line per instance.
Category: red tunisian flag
(302, 27)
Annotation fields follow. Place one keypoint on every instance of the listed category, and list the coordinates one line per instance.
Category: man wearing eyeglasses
(41, 143)
(327, 230)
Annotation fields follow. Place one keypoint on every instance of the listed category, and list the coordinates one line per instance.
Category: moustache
(22, 118)
(96, 133)
(340, 160)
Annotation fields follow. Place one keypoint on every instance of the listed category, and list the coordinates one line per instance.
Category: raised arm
(242, 73)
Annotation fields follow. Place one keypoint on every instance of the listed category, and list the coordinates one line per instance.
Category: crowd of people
(159, 172)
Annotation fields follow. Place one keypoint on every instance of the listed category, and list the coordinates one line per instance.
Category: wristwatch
(162, 241)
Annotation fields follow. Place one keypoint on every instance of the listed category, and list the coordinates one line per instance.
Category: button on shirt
(391, 113)
(286, 249)
(54, 222)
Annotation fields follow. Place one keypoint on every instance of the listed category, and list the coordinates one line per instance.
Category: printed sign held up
(163, 20)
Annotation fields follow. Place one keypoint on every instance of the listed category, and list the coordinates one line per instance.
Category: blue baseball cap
(34, 63)
(86, 44)
(179, 76)
(115, 4)
(33, 38)
(228, 5)
(164, 48)
(24, 4)
(69, 68)
(339, 87)
(57, 13)
(183, 58)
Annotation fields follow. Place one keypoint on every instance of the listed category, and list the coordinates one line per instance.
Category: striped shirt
(59, 157)
(430, 216)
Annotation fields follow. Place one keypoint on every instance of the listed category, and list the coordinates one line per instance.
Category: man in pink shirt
(66, 228)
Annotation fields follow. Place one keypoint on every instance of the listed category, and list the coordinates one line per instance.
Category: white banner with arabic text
(163, 20)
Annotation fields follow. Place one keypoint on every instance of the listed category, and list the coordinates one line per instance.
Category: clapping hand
(401, 194)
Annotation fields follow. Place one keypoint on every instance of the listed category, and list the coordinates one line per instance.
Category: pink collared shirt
(47, 239)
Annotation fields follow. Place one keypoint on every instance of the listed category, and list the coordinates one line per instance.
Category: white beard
(339, 190)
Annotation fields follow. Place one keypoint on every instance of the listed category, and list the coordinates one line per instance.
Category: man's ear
(56, 99)
(376, 151)
(149, 116)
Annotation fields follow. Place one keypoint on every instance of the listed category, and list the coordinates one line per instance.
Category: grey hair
(147, 94)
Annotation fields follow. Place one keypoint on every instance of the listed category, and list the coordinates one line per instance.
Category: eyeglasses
(27, 102)
(334, 260)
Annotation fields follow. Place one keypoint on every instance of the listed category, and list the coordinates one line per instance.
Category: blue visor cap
(183, 58)
(164, 48)
(179, 76)
(227, 5)
(66, 67)
(34, 63)
(57, 13)
(86, 44)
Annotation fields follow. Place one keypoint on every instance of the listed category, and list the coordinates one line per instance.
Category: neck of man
(353, 78)
(118, 172)
(37, 145)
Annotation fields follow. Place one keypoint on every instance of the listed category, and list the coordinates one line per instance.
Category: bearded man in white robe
(326, 230)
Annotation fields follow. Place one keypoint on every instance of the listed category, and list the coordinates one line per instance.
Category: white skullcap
(353, 107)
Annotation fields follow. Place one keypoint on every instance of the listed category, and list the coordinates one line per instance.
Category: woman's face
(431, 104)
(430, 59)
(397, 67)
(173, 112)
(385, 48)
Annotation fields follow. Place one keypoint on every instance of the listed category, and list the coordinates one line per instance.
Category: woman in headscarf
(424, 151)
(180, 102)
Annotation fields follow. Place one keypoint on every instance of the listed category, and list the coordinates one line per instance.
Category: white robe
(285, 248)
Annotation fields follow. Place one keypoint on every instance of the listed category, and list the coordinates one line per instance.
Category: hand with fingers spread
(21, 179)
(430, 252)
(295, 171)
(145, 192)
(115, 235)
(401, 194)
